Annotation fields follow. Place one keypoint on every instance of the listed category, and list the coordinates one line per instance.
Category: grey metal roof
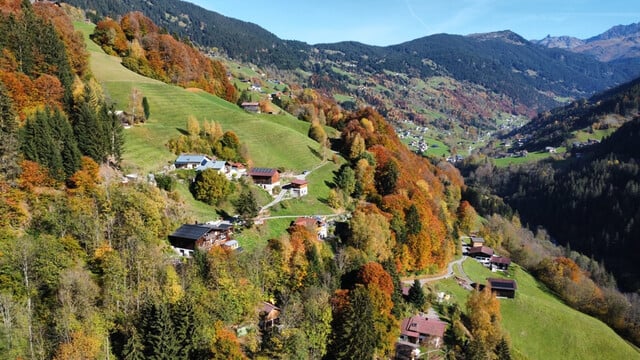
(189, 231)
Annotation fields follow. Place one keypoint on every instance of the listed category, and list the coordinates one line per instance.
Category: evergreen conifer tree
(89, 133)
(39, 144)
(416, 294)
(66, 142)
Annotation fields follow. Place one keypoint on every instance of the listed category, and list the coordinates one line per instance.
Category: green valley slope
(541, 326)
(272, 140)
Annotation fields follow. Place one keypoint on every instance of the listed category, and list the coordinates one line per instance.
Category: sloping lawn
(541, 326)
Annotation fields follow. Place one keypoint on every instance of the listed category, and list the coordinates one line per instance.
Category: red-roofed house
(419, 329)
(299, 187)
(481, 253)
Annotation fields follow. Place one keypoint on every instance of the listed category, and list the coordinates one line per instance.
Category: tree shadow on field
(315, 152)
(183, 131)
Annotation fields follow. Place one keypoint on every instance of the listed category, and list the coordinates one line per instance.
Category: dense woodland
(87, 272)
(238, 39)
(607, 110)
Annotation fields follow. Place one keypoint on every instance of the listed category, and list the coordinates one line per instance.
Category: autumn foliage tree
(148, 51)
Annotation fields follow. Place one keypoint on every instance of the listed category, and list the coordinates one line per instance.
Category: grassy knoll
(543, 327)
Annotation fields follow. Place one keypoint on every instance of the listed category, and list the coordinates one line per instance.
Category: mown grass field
(278, 141)
(541, 326)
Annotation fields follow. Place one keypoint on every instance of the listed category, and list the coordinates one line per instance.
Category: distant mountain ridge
(619, 42)
(518, 76)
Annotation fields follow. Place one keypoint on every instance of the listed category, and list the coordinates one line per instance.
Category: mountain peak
(562, 42)
(504, 35)
(618, 31)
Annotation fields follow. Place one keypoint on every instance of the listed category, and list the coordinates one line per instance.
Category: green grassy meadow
(170, 106)
(541, 326)
(278, 141)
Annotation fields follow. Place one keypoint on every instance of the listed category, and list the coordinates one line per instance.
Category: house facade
(499, 263)
(481, 253)
(477, 241)
(299, 187)
(253, 107)
(266, 178)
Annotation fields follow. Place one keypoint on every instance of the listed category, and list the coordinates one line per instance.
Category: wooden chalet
(299, 187)
(188, 237)
(267, 178)
(253, 107)
(477, 241)
(505, 288)
(481, 253)
(269, 316)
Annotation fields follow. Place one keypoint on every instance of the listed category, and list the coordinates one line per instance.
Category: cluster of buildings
(486, 256)
(266, 178)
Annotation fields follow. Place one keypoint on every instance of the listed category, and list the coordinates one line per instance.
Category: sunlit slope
(272, 140)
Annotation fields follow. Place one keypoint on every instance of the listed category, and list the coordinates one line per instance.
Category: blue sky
(380, 22)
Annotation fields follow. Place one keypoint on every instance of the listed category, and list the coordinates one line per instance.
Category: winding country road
(450, 272)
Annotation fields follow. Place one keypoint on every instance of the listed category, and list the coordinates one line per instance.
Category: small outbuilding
(477, 241)
(253, 107)
(505, 288)
(499, 263)
(299, 187)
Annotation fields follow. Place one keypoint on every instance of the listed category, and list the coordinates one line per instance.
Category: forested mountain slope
(608, 109)
(588, 200)
(514, 75)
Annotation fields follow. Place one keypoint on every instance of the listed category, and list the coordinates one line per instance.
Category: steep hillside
(494, 74)
(170, 106)
(607, 110)
(591, 203)
(238, 39)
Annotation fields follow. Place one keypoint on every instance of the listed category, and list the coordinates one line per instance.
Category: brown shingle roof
(500, 260)
(481, 250)
(423, 326)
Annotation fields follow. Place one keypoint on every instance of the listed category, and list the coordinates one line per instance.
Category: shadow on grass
(183, 131)
(315, 152)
